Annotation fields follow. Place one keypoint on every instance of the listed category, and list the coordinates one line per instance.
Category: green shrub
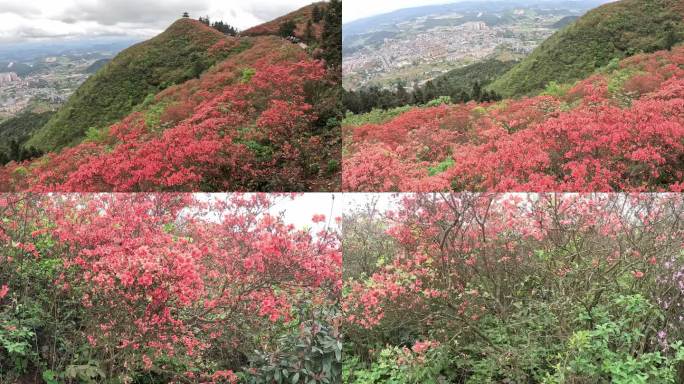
(555, 89)
(613, 350)
(333, 166)
(247, 74)
(308, 354)
(441, 167)
(439, 101)
(376, 116)
(397, 365)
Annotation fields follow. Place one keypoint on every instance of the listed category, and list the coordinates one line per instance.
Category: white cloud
(40, 20)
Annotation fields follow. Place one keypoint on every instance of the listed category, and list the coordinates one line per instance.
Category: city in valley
(414, 50)
(51, 85)
(30, 81)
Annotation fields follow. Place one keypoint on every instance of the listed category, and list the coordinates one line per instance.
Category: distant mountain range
(370, 23)
(30, 51)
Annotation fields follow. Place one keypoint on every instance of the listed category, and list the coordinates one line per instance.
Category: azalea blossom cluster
(619, 130)
(236, 128)
(463, 256)
(171, 275)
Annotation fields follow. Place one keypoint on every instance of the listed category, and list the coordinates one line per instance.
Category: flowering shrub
(505, 284)
(174, 287)
(586, 139)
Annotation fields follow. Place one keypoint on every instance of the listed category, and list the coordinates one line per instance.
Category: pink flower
(424, 346)
(318, 218)
(3, 291)
(147, 362)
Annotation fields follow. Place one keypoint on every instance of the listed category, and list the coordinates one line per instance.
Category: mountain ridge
(177, 54)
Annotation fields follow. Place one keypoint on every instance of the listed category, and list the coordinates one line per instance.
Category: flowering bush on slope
(238, 127)
(159, 285)
(507, 284)
(620, 130)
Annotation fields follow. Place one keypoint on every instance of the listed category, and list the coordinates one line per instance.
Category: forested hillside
(611, 31)
(459, 85)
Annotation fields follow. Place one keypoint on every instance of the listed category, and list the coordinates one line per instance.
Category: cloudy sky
(299, 210)
(44, 20)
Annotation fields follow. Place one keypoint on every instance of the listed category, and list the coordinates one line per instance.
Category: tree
(670, 37)
(308, 32)
(225, 28)
(402, 96)
(477, 91)
(205, 20)
(332, 34)
(316, 14)
(287, 28)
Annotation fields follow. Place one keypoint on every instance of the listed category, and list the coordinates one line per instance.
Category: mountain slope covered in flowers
(263, 117)
(178, 54)
(620, 129)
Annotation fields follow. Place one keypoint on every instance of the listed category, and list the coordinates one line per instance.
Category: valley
(47, 78)
(420, 44)
(51, 84)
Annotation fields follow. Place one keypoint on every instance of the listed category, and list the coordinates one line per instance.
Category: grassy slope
(176, 55)
(613, 30)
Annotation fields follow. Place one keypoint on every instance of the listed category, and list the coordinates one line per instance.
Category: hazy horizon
(361, 9)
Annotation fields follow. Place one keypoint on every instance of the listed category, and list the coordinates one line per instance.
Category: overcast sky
(43, 20)
(300, 210)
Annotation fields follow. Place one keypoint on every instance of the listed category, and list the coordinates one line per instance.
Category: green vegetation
(287, 28)
(447, 288)
(376, 116)
(614, 30)
(15, 132)
(178, 54)
(332, 34)
(556, 90)
(463, 79)
(96, 66)
(441, 167)
(459, 85)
